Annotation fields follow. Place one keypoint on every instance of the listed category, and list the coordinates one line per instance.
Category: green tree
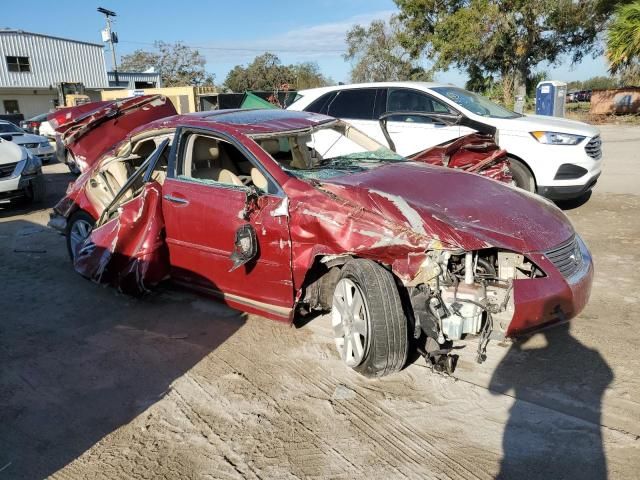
(266, 73)
(506, 38)
(623, 38)
(376, 54)
(178, 64)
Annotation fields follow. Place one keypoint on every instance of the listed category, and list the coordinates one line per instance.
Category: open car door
(127, 247)
(89, 131)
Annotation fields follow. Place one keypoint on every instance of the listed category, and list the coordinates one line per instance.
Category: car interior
(210, 160)
(115, 171)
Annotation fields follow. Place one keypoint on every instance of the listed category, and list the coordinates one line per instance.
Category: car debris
(287, 214)
(476, 152)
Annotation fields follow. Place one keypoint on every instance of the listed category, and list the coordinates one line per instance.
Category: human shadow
(553, 429)
(78, 361)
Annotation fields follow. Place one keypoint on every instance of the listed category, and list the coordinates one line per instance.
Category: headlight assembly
(32, 166)
(557, 138)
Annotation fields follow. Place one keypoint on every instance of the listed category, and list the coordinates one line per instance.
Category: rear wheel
(522, 175)
(369, 324)
(79, 228)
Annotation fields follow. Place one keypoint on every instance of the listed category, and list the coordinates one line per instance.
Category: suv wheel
(522, 175)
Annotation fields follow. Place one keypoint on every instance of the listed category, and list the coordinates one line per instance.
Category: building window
(141, 85)
(11, 106)
(18, 64)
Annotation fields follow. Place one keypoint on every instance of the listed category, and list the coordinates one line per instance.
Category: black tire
(71, 163)
(386, 347)
(80, 215)
(38, 189)
(522, 175)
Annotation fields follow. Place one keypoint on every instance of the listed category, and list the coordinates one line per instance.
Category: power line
(240, 49)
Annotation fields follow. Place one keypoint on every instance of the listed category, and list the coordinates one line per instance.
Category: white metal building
(135, 80)
(31, 65)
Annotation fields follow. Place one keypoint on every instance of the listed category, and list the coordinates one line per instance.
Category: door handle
(171, 198)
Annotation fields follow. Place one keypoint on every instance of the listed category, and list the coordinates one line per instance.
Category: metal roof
(24, 32)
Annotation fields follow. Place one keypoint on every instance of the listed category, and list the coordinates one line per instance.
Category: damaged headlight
(557, 138)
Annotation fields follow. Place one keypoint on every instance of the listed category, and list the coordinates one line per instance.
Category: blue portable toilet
(550, 98)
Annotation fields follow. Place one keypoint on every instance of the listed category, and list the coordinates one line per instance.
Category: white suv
(556, 157)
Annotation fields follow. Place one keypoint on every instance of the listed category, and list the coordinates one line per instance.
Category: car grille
(567, 257)
(30, 145)
(594, 148)
(7, 169)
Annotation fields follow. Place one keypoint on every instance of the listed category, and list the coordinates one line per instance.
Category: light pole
(111, 37)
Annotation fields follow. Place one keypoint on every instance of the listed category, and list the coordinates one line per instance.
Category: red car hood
(457, 208)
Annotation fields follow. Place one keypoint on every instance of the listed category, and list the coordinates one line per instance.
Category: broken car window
(326, 151)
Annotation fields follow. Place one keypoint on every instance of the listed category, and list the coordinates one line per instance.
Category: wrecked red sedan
(286, 213)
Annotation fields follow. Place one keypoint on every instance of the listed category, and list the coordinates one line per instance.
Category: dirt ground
(97, 385)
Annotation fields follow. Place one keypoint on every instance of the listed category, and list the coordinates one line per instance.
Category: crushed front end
(496, 294)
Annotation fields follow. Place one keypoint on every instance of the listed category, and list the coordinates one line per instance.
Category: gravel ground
(94, 384)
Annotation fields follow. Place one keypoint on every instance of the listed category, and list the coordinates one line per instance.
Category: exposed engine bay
(459, 293)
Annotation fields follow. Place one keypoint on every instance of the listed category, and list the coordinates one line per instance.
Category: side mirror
(245, 248)
(6, 136)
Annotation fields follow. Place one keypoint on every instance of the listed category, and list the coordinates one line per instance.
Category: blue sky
(231, 33)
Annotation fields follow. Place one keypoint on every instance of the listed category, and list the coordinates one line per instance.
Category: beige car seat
(259, 180)
(207, 163)
(107, 183)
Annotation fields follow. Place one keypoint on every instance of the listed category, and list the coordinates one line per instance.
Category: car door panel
(412, 134)
(128, 251)
(202, 217)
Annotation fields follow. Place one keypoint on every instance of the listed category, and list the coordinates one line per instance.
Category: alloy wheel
(349, 319)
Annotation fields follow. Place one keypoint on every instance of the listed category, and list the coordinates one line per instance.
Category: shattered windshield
(326, 151)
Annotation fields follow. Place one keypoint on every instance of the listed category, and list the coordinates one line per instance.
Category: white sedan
(555, 157)
(36, 144)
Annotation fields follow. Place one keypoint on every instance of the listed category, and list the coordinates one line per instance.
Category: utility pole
(111, 37)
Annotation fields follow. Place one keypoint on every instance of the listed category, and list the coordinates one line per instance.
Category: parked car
(38, 146)
(20, 173)
(555, 157)
(39, 125)
(285, 213)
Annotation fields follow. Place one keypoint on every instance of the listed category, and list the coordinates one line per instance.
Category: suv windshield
(475, 103)
(9, 128)
(326, 151)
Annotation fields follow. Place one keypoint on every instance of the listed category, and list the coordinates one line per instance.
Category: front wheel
(369, 324)
(522, 175)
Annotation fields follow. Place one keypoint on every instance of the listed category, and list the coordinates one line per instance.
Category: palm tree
(623, 38)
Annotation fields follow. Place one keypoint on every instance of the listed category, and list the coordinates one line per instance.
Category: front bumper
(20, 186)
(566, 192)
(57, 222)
(541, 302)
